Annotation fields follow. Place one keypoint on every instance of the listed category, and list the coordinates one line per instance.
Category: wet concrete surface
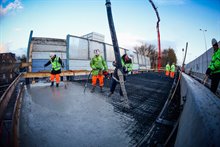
(68, 117)
(53, 116)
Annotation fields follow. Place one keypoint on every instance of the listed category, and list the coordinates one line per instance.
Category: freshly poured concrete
(54, 117)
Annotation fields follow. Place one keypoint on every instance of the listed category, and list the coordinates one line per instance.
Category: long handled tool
(116, 51)
(86, 84)
(64, 79)
(205, 79)
(65, 82)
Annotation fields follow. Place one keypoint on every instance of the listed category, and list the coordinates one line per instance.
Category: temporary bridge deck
(66, 116)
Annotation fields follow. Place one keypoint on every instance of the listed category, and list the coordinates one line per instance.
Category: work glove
(105, 73)
(94, 68)
(114, 63)
(125, 69)
(208, 71)
(62, 66)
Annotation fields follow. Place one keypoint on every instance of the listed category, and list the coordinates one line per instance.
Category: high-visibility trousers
(167, 73)
(172, 74)
(100, 78)
(56, 76)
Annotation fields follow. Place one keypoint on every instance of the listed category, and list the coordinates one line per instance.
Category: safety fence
(76, 52)
(198, 66)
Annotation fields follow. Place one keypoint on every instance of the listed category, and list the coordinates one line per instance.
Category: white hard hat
(130, 54)
(214, 41)
(51, 55)
(96, 51)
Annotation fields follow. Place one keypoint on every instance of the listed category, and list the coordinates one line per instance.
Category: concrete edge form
(4, 99)
(16, 116)
(199, 123)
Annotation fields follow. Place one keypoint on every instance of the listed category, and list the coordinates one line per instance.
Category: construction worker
(213, 70)
(168, 69)
(56, 63)
(172, 70)
(126, 61)
(99, 68)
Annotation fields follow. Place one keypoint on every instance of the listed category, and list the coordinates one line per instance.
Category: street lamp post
(203, 31)
(183, 53)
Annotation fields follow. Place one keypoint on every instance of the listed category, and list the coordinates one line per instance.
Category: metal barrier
(13, 130)
(7, 95)
(16, 117)
(76, 52)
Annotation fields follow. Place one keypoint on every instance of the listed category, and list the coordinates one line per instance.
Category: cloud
(129, 41)
(3, 48)
(4, 1)
(18, 29)
(8, 47)
(12, 6)
(170, 2)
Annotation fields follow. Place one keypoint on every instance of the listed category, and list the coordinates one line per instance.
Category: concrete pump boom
(113, 34)
(158, 35)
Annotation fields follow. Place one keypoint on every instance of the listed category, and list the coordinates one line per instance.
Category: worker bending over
(126, 61)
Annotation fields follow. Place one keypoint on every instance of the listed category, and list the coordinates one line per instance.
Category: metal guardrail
(16, 117)
(7, 95)
(13, 130)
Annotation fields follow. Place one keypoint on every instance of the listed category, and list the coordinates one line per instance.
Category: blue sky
(135, 22)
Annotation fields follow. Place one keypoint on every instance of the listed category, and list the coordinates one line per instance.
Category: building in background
(95, 36)
(9, 70)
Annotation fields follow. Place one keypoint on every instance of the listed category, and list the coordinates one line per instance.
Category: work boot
(101, 90)
(51, 85)
(93, 89)
(110, 94)
(121, 99)
(57, 85)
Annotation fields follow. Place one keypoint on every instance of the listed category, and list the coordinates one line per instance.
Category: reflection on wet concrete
(67, 117)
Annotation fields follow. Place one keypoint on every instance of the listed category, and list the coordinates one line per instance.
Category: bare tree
(148, 50)
(168, 55)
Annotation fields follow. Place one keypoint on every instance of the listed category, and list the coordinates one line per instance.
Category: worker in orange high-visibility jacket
(167, 69)
(99, 68)
(172, 70)
(56, 63)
